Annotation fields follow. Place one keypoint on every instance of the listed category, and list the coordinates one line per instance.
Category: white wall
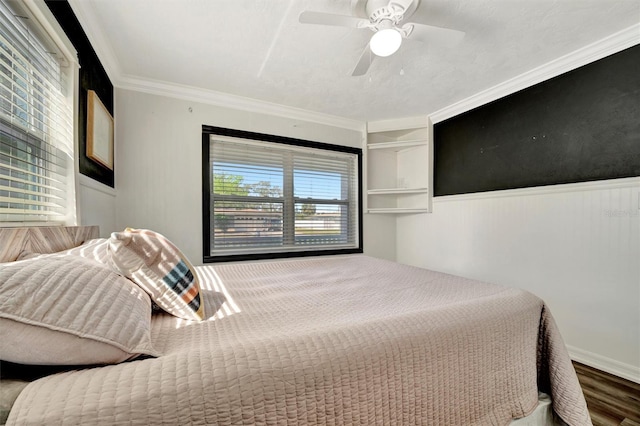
(158, 161)
(380, 236)
(97, 205)
(576, 246)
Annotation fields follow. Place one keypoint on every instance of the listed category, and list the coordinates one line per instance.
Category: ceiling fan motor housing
(375, 10)
(387, 13)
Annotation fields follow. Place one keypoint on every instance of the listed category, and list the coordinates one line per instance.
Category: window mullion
(346, 194)
(301, 200)
(289, 213)
(246, 198)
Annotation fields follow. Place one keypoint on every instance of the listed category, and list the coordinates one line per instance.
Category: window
(37, 80)
(267, 196)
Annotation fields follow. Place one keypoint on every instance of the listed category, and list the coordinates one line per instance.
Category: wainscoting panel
(576, 246)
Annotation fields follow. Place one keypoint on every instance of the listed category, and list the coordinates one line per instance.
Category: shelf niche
(398, 162)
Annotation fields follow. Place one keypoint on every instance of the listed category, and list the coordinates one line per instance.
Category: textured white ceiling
(257, 49)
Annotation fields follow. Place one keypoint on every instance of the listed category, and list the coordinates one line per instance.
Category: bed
(336, 340)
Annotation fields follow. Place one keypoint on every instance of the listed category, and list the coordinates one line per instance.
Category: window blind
(36, 123)
(270, 197)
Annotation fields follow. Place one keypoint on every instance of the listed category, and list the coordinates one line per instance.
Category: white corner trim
(631, 182)
(87, 182)
(617, 368)
(609, 45)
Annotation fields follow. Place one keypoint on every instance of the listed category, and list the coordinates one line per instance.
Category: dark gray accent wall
(583, 125)
(92, 77)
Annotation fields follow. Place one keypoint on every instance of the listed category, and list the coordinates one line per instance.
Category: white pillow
(68, 310)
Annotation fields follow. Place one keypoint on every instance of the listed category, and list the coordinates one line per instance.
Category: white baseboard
(608, 365)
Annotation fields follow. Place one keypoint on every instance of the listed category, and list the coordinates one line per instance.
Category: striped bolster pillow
(150, 260)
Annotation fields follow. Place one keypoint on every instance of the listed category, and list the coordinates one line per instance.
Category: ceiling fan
(388, 19)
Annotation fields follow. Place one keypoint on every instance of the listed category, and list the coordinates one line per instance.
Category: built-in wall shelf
(397, 145)
(394, 210)
(398, 162)
(398, 191)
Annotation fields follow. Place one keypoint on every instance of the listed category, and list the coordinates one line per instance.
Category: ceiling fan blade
(445, 37)
(310, 17)
(364, 62)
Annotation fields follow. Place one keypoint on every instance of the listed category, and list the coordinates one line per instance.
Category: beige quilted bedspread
(343, 340)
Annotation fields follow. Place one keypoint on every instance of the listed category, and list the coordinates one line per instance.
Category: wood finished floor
(612, 401)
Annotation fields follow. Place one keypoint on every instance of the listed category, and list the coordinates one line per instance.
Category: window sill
(278, 255)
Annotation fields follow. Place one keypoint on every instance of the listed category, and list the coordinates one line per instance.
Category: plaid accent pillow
(150, 260)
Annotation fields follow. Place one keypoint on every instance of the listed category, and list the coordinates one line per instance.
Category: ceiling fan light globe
(385, 42)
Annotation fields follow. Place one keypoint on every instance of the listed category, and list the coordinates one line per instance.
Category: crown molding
(609, 45)
(212, 97)
(110, 63)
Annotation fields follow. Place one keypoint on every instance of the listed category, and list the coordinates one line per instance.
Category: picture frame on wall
(99, 131)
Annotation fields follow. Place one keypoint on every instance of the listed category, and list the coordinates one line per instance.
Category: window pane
(240, 169)
(240, 179)
(32, 178)
(321, 177)
(321, 224)
(238, 225)
(318, 185)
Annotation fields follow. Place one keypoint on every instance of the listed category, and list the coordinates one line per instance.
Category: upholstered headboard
(43, 239)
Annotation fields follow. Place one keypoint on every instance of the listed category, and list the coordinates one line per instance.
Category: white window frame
(43, 26)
